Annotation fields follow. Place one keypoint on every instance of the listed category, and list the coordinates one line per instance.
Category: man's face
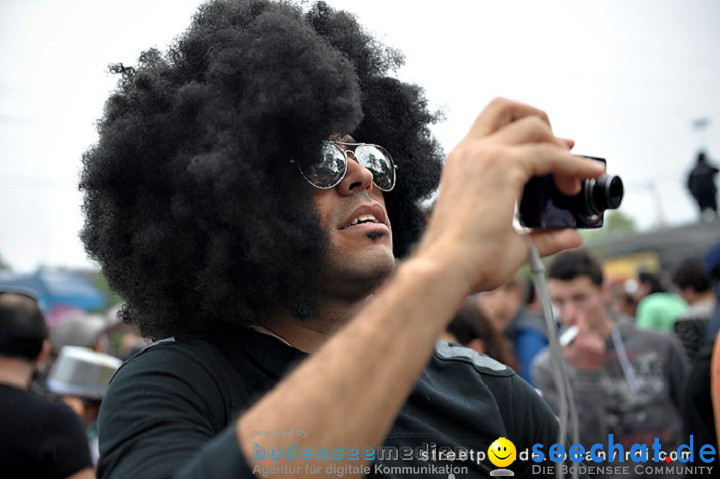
(501, 304)
(353, 214)
(578, 299)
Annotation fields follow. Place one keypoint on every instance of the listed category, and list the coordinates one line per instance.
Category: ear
(44, 352)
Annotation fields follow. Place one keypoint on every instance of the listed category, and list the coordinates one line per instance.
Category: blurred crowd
(53, 377)
(640, 356)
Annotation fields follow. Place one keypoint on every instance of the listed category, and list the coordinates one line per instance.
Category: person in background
(701, 407)
(526, 331)
(38, 437)
(78, 329)
(472, 328)
(75, 328)
(694, 285)
(712, 268)
(79, 378)
(701, 184)
(657, 309)
(120, 339)
(622, 300)
(626, 382)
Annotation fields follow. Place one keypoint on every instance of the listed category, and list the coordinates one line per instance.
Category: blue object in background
(57, 289)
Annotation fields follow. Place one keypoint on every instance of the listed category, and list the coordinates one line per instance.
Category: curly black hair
(192, 207)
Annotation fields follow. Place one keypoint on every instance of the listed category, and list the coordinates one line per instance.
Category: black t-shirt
(168, 409)
(39, 438)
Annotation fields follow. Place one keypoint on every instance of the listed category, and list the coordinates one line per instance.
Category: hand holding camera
(471, 227)
(543, 206)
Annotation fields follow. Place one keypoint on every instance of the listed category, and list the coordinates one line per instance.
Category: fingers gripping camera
(543, 206)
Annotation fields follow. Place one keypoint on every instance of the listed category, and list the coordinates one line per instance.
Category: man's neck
(310, 334)
(701, 298)
(16, 372)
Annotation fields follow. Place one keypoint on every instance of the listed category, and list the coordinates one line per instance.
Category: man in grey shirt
(627, 382)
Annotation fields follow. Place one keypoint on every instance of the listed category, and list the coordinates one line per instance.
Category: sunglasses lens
(379, 163)
(329, 171)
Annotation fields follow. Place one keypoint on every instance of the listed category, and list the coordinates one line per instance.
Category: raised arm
(349, 392)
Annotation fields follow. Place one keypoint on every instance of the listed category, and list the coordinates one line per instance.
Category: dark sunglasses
(332, 167)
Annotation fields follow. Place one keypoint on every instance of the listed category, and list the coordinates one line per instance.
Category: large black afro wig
(193, 209)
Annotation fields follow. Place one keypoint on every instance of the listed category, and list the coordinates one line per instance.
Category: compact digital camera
(543, 206)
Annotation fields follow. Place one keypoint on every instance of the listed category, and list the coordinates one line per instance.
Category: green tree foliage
(616, 223)
(3, 264)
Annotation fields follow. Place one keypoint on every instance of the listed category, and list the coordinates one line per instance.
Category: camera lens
(607, 193)
(598, 195)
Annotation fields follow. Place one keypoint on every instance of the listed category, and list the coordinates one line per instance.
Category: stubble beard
(354, 279)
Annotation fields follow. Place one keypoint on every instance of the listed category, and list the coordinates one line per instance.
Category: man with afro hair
(240, 198)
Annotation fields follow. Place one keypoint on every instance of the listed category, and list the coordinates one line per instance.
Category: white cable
(559, 371)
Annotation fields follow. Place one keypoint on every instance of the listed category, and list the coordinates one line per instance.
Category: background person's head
(78, 329)
(692, 281)
(193, 208)
(503, 303)
(23, 332)
(648, 283)
(24, 339)
(472, 328)
(575, 280)
(621, 298)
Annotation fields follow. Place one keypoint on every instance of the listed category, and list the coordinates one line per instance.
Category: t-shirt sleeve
(68, 445)
(164, 416)
(219, 458)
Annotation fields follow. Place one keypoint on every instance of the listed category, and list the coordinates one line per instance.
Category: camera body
(543, 206)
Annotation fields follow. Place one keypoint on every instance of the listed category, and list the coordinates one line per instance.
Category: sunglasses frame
(345, 153)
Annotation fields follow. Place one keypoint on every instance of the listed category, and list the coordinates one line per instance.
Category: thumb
(549, 242)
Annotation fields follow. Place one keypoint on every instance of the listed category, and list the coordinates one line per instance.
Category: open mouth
(369, 216)
(362, 220)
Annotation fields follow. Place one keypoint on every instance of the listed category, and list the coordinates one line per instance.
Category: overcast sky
(625, 79)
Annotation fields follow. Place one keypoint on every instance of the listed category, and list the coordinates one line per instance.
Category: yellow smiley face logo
(502, 452)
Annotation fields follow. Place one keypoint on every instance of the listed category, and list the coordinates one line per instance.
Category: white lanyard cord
(625, 364)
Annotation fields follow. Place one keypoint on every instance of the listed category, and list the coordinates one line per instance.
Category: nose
(568, 313)
(357, 178)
